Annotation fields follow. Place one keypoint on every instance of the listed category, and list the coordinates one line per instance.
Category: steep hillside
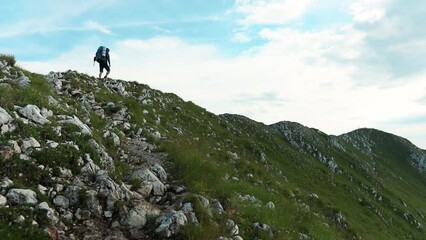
(87, 159)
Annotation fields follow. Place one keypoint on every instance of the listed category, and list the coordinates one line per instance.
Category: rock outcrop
(81, 199)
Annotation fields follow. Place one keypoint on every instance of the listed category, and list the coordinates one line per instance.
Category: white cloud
(292, 77)
(368, 11)
(96, 26)
(79, 58)
(51, 16)
(393, 41)
(241, 37)
(271, 11)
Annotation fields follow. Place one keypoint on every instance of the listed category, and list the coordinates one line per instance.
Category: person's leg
(101, 69)
(108, 71)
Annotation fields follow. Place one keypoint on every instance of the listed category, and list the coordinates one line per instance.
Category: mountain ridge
(87, 159)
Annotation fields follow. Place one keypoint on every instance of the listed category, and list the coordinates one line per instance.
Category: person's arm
(108, 59)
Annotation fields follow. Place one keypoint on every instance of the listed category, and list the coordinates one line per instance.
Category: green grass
(10, 59)
(23, 230)
(24, 173)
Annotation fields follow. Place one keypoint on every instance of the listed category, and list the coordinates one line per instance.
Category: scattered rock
(107, 163)
(159, 172)
(270, 205)
(90, 168)
(216, 207)
(4, 117)
(28, 144)
(32, 112)
(3, 201)
(82, 214)
(42, 189)
(73, 194)
(340, 220)
(20, 219)
(23, 82)
(61, 201)
(5, 184)
(150, 183)
(170, 223)
(135, 218)
(21, 196)
(93, 202)
(50, 212)
(115, 139)
(75, 121)
(233, 228)
(260, 227)
(189, 213)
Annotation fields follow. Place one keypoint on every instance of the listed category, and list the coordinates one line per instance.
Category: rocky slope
(84, 159)
(54, 164)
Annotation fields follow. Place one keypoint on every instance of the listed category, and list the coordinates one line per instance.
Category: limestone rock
(21, 196)
(32, 113)
(50, 212)
(115, 139)
(61, 201)
(270, 205)
(23, 82)
(75, 121)
(169, 223)
(20, 219)
(82, 214)
(14, 144)
(204, 201)
(4, 117)
(216, 207)
(72, 193)
(188, 210)
(93, 203)
(56, 80)
(150, 181)
(5, 184)
(159, 172)
(107, 163)
(90, 167)
(42, 189)
(261, 227)
(108, 189)
(135, 218)
(29, 143)
(3, 201)
(233, 228)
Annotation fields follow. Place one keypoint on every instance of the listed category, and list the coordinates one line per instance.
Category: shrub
(24, 173)
(10, 59)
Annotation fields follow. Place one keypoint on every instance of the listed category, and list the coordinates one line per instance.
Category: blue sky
(328, 64)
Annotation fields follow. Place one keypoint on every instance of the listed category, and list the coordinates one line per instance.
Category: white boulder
(33, 113)
(4, 117)
(22, 196)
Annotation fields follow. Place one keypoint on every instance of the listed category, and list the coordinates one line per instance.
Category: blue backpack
(101, 54)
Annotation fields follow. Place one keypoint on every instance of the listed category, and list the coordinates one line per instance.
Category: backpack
(101, 54)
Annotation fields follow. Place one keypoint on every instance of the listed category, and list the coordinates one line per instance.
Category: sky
(334, 65)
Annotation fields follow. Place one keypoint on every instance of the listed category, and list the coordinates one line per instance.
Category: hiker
(102, 57)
